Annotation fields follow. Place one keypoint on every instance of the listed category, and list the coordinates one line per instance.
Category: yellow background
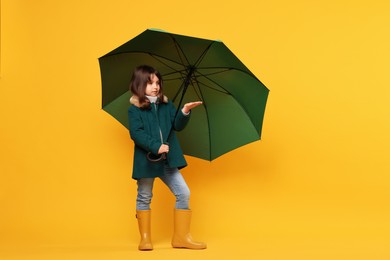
(317, 186)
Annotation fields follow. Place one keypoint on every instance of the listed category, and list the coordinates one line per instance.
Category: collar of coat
(135, 101)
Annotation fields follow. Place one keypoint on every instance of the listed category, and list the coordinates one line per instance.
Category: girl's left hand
(187, 107)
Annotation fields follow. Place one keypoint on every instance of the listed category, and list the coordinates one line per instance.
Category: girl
(151, 118)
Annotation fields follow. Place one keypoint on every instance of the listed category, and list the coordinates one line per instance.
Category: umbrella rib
(180, 72)
(225, 69)
(158, 58)
(214, 73)
(201, 57)
(200, 95)
(192, 68)
(180, 51)
(207, 116)
(182, 54)
(227, 92)
(182, 76)
(206, 77)
(144, 52)
(197, 90)
(218, 90)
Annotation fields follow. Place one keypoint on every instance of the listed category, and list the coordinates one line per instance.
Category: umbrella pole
(186, 83)
(185, 87)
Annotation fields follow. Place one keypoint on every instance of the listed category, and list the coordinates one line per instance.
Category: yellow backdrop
(317, 186)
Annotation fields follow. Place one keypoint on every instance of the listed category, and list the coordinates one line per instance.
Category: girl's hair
(142, 75)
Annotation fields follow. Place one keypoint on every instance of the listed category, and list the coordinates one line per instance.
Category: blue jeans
(175, 182)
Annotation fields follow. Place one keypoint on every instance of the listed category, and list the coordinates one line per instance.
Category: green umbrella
(193, 69)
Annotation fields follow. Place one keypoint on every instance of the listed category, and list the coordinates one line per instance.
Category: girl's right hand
(163, 149)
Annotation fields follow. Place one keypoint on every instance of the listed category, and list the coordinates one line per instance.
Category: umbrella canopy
(234, 99)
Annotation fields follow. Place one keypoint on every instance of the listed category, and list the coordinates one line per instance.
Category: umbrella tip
(157, 29)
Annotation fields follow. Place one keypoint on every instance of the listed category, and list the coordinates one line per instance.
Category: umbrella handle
(152, 158)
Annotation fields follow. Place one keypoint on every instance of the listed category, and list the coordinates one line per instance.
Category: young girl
(151, 118)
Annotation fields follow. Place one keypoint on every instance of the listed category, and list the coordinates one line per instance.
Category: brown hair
(142, 75)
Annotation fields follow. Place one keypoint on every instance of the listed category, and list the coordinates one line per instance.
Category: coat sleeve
(138, 134)
(181, 120)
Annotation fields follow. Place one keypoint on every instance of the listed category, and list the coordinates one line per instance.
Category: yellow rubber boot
(181, 235)
(143, 217)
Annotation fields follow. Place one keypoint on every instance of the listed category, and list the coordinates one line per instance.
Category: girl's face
(153, 87)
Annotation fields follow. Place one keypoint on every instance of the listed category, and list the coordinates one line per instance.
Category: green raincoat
(144, 127)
